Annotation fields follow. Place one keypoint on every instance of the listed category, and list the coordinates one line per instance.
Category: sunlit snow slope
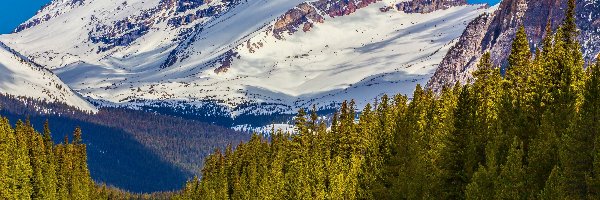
(248, 57)
(21, 78)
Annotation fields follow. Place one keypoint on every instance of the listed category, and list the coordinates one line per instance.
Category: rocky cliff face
(427, 6)
(458, 62)
(306, 14)
(499, 30)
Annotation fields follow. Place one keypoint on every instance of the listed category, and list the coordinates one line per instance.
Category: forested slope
(531, 133)
(124, 146)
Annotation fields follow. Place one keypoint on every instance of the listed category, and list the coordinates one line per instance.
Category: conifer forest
(530, 130)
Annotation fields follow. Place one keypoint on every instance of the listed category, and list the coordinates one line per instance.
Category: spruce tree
(589, 128)
(568, 96)
(485, 179)
(49, 169)
(36, 156)
(8, 181)
(520, 55)
(516, 102)
(569, 24)
(511, 181)
(82, 183)
(489, 91)
(580, 146)
(456, 158)
(554, 186)
(21, 166)
(214, 183)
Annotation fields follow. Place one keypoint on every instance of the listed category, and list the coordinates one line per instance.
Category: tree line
(531, 132)
(32, 167)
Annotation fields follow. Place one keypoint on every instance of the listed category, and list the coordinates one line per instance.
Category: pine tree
(456, 158)
(21, 163)
(569, 24)
(485, 179)
(191, 190)
(589, 129)
(300, 123)
(314, 125)
(36, 156)
(82, 183)
(489, 91)
(410, 157)
(8, 142)
(567, 98)
(517, 102)
(275, 184)
(49, 169)
(214, 183)
(519, 57)
(511, 181)
(580, 145)
(63, 168)
(370, 180)
(554, 189)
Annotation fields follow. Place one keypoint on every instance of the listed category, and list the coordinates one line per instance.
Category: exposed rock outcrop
(306, 14)
(456, 66)
(427, 6)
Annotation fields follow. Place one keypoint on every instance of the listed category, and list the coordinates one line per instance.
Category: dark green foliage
(459, 155)
(29, 169)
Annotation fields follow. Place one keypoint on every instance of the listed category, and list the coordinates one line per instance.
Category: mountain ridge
(232, 56)
(21, 77)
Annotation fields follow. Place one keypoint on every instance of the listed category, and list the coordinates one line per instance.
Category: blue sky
(14, 12)
(484, 1)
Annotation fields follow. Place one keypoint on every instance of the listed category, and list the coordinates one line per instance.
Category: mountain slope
(495, 33)
(235, 57)
(20, 77)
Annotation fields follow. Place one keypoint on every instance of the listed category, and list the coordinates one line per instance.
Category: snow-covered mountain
(19, 77)
(240, 57)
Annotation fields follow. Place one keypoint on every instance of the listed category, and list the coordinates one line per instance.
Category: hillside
(21, 77)
(233, 58)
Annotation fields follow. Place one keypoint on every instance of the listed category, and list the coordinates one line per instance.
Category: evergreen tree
(520, 56)
(517, 102)
(489, 91)
(485, 179)
(49, 169)
(456, 158)
(589, 130)
(567, 98)
(554, 189)
(569, 24)
(37, 160)
(580, 145)
(21, 166)
(8, 143)
(531, 135)
(511, 181)
(81, 181)
(214, 171)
